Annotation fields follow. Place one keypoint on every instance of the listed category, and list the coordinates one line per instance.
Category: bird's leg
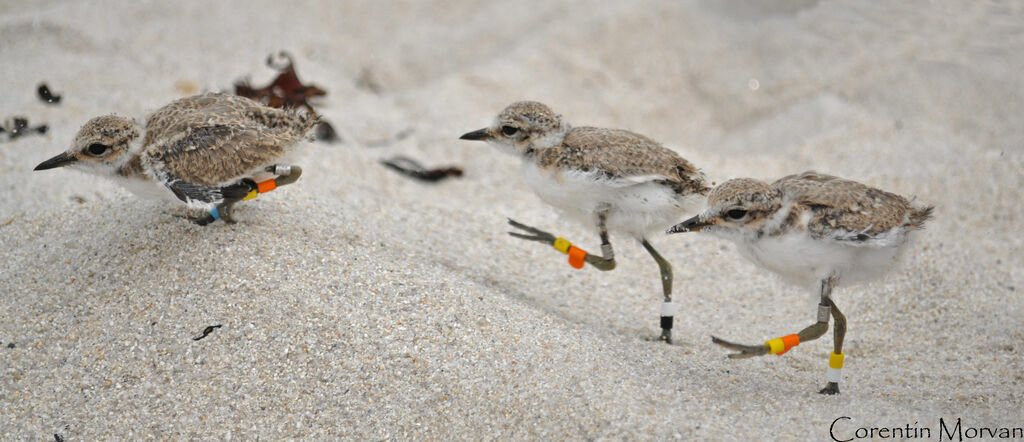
(247, 190)
(668, 310)
(221, 211)
(781, 345)
(285, 174)
(577, 256)
(203, 219)
(224, 209)
(835, 360)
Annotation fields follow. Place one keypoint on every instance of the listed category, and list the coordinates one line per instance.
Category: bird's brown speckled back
(838, 203)
(212, 138)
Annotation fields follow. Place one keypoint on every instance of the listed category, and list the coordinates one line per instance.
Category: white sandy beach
(360, 304)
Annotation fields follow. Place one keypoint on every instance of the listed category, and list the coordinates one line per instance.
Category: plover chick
(614, 180)
(815, 230)
(209, 151)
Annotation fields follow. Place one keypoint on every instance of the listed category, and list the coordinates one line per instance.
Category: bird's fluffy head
(523, 126)
(101, 146)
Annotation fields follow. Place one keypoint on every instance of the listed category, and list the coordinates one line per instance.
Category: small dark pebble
(325, 132)
(46, 95)
(57, 437)
(10, 345)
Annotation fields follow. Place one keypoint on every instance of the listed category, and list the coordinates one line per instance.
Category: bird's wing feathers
(194, 195)
(214, 155)
(213, 139)
(202, 167)
(845, 210)
(627, 157)
(198, 195)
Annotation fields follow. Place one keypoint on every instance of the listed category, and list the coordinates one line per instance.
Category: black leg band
(666, 322)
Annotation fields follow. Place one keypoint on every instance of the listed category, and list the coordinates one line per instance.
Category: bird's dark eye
(509, 130)
(736, 213)
(97, 149)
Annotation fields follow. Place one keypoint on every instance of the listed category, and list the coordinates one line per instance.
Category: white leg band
(282, 170)
(668, 309)
(823, 312)
(833, 374)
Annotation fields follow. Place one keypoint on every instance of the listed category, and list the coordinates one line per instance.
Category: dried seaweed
(207, 331)
(412, 168)
(287, 91)
(48, 97)
(17, 127)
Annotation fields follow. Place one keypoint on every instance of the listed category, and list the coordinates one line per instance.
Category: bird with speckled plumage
(610, 179)
(208, 151)
(814, 230)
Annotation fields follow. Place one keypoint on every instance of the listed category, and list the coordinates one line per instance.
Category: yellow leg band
(836, 360)
(252, 194)
(562, 245)
(776, 345)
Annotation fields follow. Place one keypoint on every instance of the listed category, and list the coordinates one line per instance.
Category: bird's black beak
(691, 225)
(61, 160)
(480, 135)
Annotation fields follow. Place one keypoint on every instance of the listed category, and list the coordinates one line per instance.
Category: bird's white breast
(635, 206)
(804, 260)
(146, 188)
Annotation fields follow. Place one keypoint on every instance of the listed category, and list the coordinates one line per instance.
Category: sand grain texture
(364, 305)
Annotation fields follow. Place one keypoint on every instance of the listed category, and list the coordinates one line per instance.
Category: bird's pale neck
(129, 163)
(546, 141)
(132, 167)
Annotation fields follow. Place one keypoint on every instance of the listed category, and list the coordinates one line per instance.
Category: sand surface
(363, 305)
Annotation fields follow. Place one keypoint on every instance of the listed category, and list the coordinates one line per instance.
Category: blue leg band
(215, 214)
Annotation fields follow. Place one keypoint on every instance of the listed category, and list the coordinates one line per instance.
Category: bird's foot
(744, 351)
(666, 336)
(534, 233)
(830, 388)
(199, 220)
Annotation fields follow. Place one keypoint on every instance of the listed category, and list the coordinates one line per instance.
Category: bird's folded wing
(199, 195)
(845, 210)
(627, 158)
(213, 155)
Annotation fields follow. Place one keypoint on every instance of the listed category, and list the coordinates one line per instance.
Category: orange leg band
(780, 346)
(790, 341)
(266, 186)
(576, 256)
